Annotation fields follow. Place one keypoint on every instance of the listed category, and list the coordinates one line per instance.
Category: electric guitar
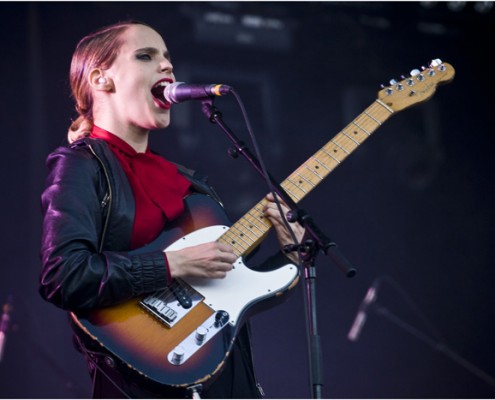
(182, 335)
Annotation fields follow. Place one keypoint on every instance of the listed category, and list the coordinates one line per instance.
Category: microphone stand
(314, 242)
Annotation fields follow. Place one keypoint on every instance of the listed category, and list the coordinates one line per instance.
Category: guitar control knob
(201, 333)
(221, 318)
(178, 355)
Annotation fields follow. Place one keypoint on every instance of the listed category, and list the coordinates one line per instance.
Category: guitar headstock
(418, 88)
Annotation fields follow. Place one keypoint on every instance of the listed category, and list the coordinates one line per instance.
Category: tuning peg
(415, 72)
(393, 81)
(388, 89)
(436, 62)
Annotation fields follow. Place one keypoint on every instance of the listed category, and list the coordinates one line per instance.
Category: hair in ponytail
(97, 50)
(80, 128)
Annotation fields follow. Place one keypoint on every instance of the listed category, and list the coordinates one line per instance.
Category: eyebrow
(153, 51)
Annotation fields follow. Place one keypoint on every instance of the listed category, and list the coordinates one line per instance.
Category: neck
(136, 137)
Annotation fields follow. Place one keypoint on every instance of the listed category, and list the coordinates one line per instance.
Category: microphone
(361, 316)
(4, 324)
(178, 92)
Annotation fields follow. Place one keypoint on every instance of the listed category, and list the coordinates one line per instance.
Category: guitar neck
(251, 229)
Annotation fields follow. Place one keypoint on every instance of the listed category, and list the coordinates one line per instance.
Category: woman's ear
(98, 81)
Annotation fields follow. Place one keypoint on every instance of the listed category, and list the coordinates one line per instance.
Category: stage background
(414, 204)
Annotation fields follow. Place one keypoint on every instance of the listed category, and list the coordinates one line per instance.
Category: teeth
(157, 90)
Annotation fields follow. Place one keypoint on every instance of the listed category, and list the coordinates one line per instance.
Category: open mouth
(157, 93)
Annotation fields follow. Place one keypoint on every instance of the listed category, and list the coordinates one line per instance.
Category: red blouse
(158, 187)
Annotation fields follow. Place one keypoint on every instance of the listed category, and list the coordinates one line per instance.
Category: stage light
(483, 7)
(456, 6)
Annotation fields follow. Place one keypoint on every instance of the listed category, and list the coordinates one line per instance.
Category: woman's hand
(209, 260)
(284, 237)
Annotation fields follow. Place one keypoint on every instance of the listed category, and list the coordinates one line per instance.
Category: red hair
(96, 50)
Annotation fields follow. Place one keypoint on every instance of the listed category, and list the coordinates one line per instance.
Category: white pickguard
(242, 286)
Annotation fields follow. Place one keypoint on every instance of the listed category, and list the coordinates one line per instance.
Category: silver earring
(102, 80)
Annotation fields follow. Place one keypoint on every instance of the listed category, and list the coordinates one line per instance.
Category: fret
(360, 127)
(335, 149)
(289, 192)
(373, 118)
(343, 143)
(260, 225)
(297, 186)
(350, 137)
(250, 226)
(261, 218)
(340, 147)
(314, 170)
(366, 120)
(305, 179)
(232, 239)
(321, 163)
(238, 251)
(329, 155)
(241, 235)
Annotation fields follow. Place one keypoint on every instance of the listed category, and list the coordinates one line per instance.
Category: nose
(166, 66)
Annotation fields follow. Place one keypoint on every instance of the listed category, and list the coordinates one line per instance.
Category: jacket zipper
(107, 199)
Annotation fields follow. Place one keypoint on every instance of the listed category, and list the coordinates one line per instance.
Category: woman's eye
(145, 57)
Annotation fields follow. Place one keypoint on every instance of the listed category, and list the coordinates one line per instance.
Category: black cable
(265, 172)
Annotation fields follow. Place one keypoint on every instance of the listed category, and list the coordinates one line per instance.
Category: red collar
(114, 140)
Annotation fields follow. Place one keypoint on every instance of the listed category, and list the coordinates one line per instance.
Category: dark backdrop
(414, 203)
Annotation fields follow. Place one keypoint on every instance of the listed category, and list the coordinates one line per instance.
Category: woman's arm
(74, 275)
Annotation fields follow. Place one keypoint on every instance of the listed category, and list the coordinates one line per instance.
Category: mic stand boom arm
(326, 245)
(314, 241)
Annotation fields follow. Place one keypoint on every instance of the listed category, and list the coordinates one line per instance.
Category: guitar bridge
(171, 304)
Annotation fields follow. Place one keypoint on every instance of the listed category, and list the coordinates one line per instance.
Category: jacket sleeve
(74, 274)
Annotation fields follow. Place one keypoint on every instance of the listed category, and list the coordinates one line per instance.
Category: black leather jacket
(88, 210)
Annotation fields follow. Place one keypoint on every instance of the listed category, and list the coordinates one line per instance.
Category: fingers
(210, 260)
(226, 251)
(271, 211)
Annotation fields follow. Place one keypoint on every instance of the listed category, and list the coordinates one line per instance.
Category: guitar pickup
(181, 294)
(170, 305)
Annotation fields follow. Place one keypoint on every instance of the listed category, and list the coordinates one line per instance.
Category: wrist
(169, 272)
